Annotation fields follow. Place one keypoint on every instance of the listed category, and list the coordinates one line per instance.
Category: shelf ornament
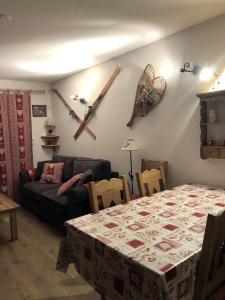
(150, 91)
(50, 126)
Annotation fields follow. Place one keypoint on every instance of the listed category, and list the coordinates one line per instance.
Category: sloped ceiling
(50, 39)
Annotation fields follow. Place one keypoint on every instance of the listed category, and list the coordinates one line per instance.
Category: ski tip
(130, 123)
(118, 68)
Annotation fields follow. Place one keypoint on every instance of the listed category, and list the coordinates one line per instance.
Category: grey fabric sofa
(41, 199)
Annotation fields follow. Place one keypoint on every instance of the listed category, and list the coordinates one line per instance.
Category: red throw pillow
(32, 173)
(68, 184)
(52, 172)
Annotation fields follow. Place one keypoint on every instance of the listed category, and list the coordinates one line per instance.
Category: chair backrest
(106, 193)
(155, 164)
(210, 281)
(149, 182)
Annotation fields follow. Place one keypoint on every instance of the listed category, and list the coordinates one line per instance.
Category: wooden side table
(9, 206)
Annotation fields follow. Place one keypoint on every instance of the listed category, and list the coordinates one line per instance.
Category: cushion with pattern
(52, 172)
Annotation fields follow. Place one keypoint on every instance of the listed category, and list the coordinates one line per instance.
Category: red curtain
(15, 139)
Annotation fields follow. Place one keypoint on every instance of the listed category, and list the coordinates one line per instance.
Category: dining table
(146, 249)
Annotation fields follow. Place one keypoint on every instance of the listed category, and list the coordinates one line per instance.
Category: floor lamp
(130, 145)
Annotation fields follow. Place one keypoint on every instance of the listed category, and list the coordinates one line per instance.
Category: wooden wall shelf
(212, 133)
(51, 142)
(212, 152)
(213, 123)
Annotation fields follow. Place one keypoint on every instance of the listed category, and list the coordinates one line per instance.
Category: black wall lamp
(187, 68)
(203, 73)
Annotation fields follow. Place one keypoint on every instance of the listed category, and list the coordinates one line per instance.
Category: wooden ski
(94, 106)
(73, 113)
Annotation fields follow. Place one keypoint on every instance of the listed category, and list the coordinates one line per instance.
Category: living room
(72, 48)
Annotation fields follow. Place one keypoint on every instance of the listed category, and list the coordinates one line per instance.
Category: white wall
(171, 131)
(38, 128)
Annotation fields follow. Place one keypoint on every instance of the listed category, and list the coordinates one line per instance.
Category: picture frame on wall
(39, 110)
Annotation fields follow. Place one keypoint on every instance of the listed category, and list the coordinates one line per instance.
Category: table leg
(13, 225)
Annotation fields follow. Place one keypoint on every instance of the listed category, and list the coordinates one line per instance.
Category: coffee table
(9, 206)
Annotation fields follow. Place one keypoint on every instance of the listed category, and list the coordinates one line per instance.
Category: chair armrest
(115, 174)
(78, 202)
(24, 177)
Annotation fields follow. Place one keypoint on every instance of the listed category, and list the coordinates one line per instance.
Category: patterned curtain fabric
(15, 139)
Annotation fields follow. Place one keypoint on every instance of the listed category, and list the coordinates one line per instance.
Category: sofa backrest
(100, 167)
(68, 165)
(74, 165)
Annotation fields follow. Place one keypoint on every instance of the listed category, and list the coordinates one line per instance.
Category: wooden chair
(210, 281)
(108, 192)
(149, 181)
(156, 164)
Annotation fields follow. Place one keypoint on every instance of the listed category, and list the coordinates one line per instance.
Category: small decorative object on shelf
(51, 142)
(212, 116)
(50, 125)
(220, 143)
(209, 142)
(212, 124)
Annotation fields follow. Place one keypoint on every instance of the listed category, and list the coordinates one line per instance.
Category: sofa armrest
(115, 174)
(24, 177)
(78, 202)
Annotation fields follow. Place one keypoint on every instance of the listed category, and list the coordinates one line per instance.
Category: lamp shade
(49, 122)
(130, 145)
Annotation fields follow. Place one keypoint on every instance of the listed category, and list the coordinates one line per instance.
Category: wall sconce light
(203, 73)
(187, 68)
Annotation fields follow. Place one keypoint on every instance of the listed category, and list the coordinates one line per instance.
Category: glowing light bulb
(206, 74)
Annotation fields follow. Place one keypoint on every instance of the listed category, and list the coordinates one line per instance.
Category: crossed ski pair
(92, 109)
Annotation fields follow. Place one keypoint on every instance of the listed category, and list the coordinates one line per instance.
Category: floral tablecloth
(146, 249)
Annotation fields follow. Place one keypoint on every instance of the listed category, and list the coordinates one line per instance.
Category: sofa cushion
(68, 184)
(57, 204)
(51, 194)
(39, 169)
(68, 165)
(101, 168)
(38, 187)
(52, 172)
(86, 177)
